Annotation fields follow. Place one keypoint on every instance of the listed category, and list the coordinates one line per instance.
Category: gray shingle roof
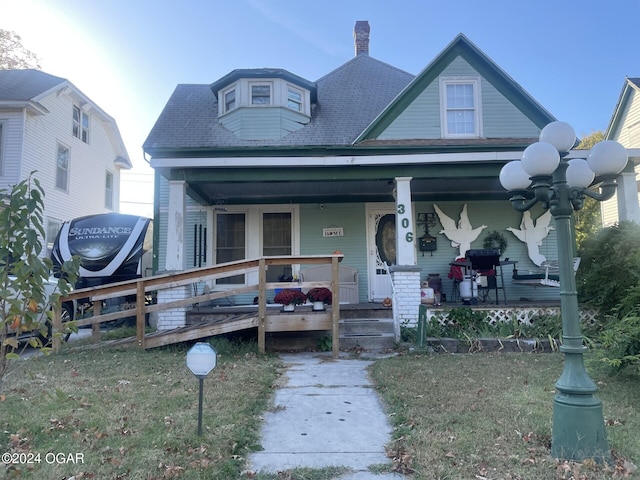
(349, 98)
(24, 85)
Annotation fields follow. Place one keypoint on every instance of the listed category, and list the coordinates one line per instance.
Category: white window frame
(300, 103)
(475, 82)
(253, 234)
(225, 92)
(64, 188)
(109, 190)
(260, 84)
(80, 128)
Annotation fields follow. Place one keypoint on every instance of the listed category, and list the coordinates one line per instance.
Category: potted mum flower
(289, 298)
(319, 297)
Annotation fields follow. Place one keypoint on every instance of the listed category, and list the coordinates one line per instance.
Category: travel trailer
(113, 247)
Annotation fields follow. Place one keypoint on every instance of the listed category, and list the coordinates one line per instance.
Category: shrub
(621, 342)
(609, 267)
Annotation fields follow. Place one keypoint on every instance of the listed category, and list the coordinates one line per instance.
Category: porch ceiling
(327, 191)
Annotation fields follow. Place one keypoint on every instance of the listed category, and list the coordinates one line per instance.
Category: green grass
(133, 414)
(489, 416)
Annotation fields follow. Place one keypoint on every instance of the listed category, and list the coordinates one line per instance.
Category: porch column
(405, 236)
(405, 275)
(628, 208)
(175, 257)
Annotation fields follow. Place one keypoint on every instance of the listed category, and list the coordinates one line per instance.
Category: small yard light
(201, 359)
(544, 175)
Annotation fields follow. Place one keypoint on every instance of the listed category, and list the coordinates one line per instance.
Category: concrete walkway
(325, 414)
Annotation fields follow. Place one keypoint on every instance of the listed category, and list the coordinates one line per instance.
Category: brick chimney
(361, 36)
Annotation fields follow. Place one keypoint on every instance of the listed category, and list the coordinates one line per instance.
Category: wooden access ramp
(264, 319)
(194, 331)
(200, 330)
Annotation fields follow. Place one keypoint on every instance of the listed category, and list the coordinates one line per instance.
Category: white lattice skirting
(509, 314)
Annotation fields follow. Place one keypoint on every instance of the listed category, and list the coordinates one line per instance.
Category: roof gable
(630, 90)
(461, 47)
(28, 87)
(28, 84)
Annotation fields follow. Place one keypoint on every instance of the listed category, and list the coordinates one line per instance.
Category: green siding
(497, 216)
(421, 119)
(263, 123)
(352, 218)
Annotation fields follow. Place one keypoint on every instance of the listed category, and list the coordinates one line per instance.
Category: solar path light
(201, 359)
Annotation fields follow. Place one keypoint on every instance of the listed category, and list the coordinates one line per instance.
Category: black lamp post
(545, 176)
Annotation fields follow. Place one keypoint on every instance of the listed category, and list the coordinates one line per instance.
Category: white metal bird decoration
(462, 234)
(532, 233)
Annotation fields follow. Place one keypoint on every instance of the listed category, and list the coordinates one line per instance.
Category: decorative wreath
(495, 240)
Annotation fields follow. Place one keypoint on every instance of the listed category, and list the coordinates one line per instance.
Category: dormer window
(261, 94)
(230, 99)
(460, 107)
(294, 99)
(264, 104)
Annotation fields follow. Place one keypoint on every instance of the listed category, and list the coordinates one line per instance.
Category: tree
(588, 220)
(25, 304)
(13, 55)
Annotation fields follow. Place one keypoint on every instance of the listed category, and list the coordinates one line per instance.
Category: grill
(483, 259)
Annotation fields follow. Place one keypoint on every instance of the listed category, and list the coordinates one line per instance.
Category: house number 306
(404, 221)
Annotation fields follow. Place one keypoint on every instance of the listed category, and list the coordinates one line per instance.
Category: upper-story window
(62, 168)
(80, 124)
(460, 106)
(261, 94)
(108, 190)
(230, 99)
(294, 99)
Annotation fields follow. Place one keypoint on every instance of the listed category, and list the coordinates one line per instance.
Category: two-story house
(624, 127)
(385, 166)
(49, 126)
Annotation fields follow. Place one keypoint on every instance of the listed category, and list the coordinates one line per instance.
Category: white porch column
(175, 257)
(628, 207)
(405, 236)
(405, 275)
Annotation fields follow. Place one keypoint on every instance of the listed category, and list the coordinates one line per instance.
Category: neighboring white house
(624, 127)
(49, 126)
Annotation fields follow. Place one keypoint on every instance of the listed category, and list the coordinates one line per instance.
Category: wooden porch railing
(267, 322)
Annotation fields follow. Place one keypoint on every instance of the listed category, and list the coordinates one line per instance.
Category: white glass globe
(559, 134)
(607, 157)
(513, 177)
(579, 174)
(540, 158)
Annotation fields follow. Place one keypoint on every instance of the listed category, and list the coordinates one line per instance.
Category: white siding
(628, 134)
(87, 166)
(12, 133)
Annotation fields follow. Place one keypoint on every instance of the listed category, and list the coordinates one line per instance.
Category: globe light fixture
(561, 185)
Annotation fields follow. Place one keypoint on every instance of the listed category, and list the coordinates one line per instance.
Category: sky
(129, 55)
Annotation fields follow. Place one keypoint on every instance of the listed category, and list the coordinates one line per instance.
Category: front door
(381, 241)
